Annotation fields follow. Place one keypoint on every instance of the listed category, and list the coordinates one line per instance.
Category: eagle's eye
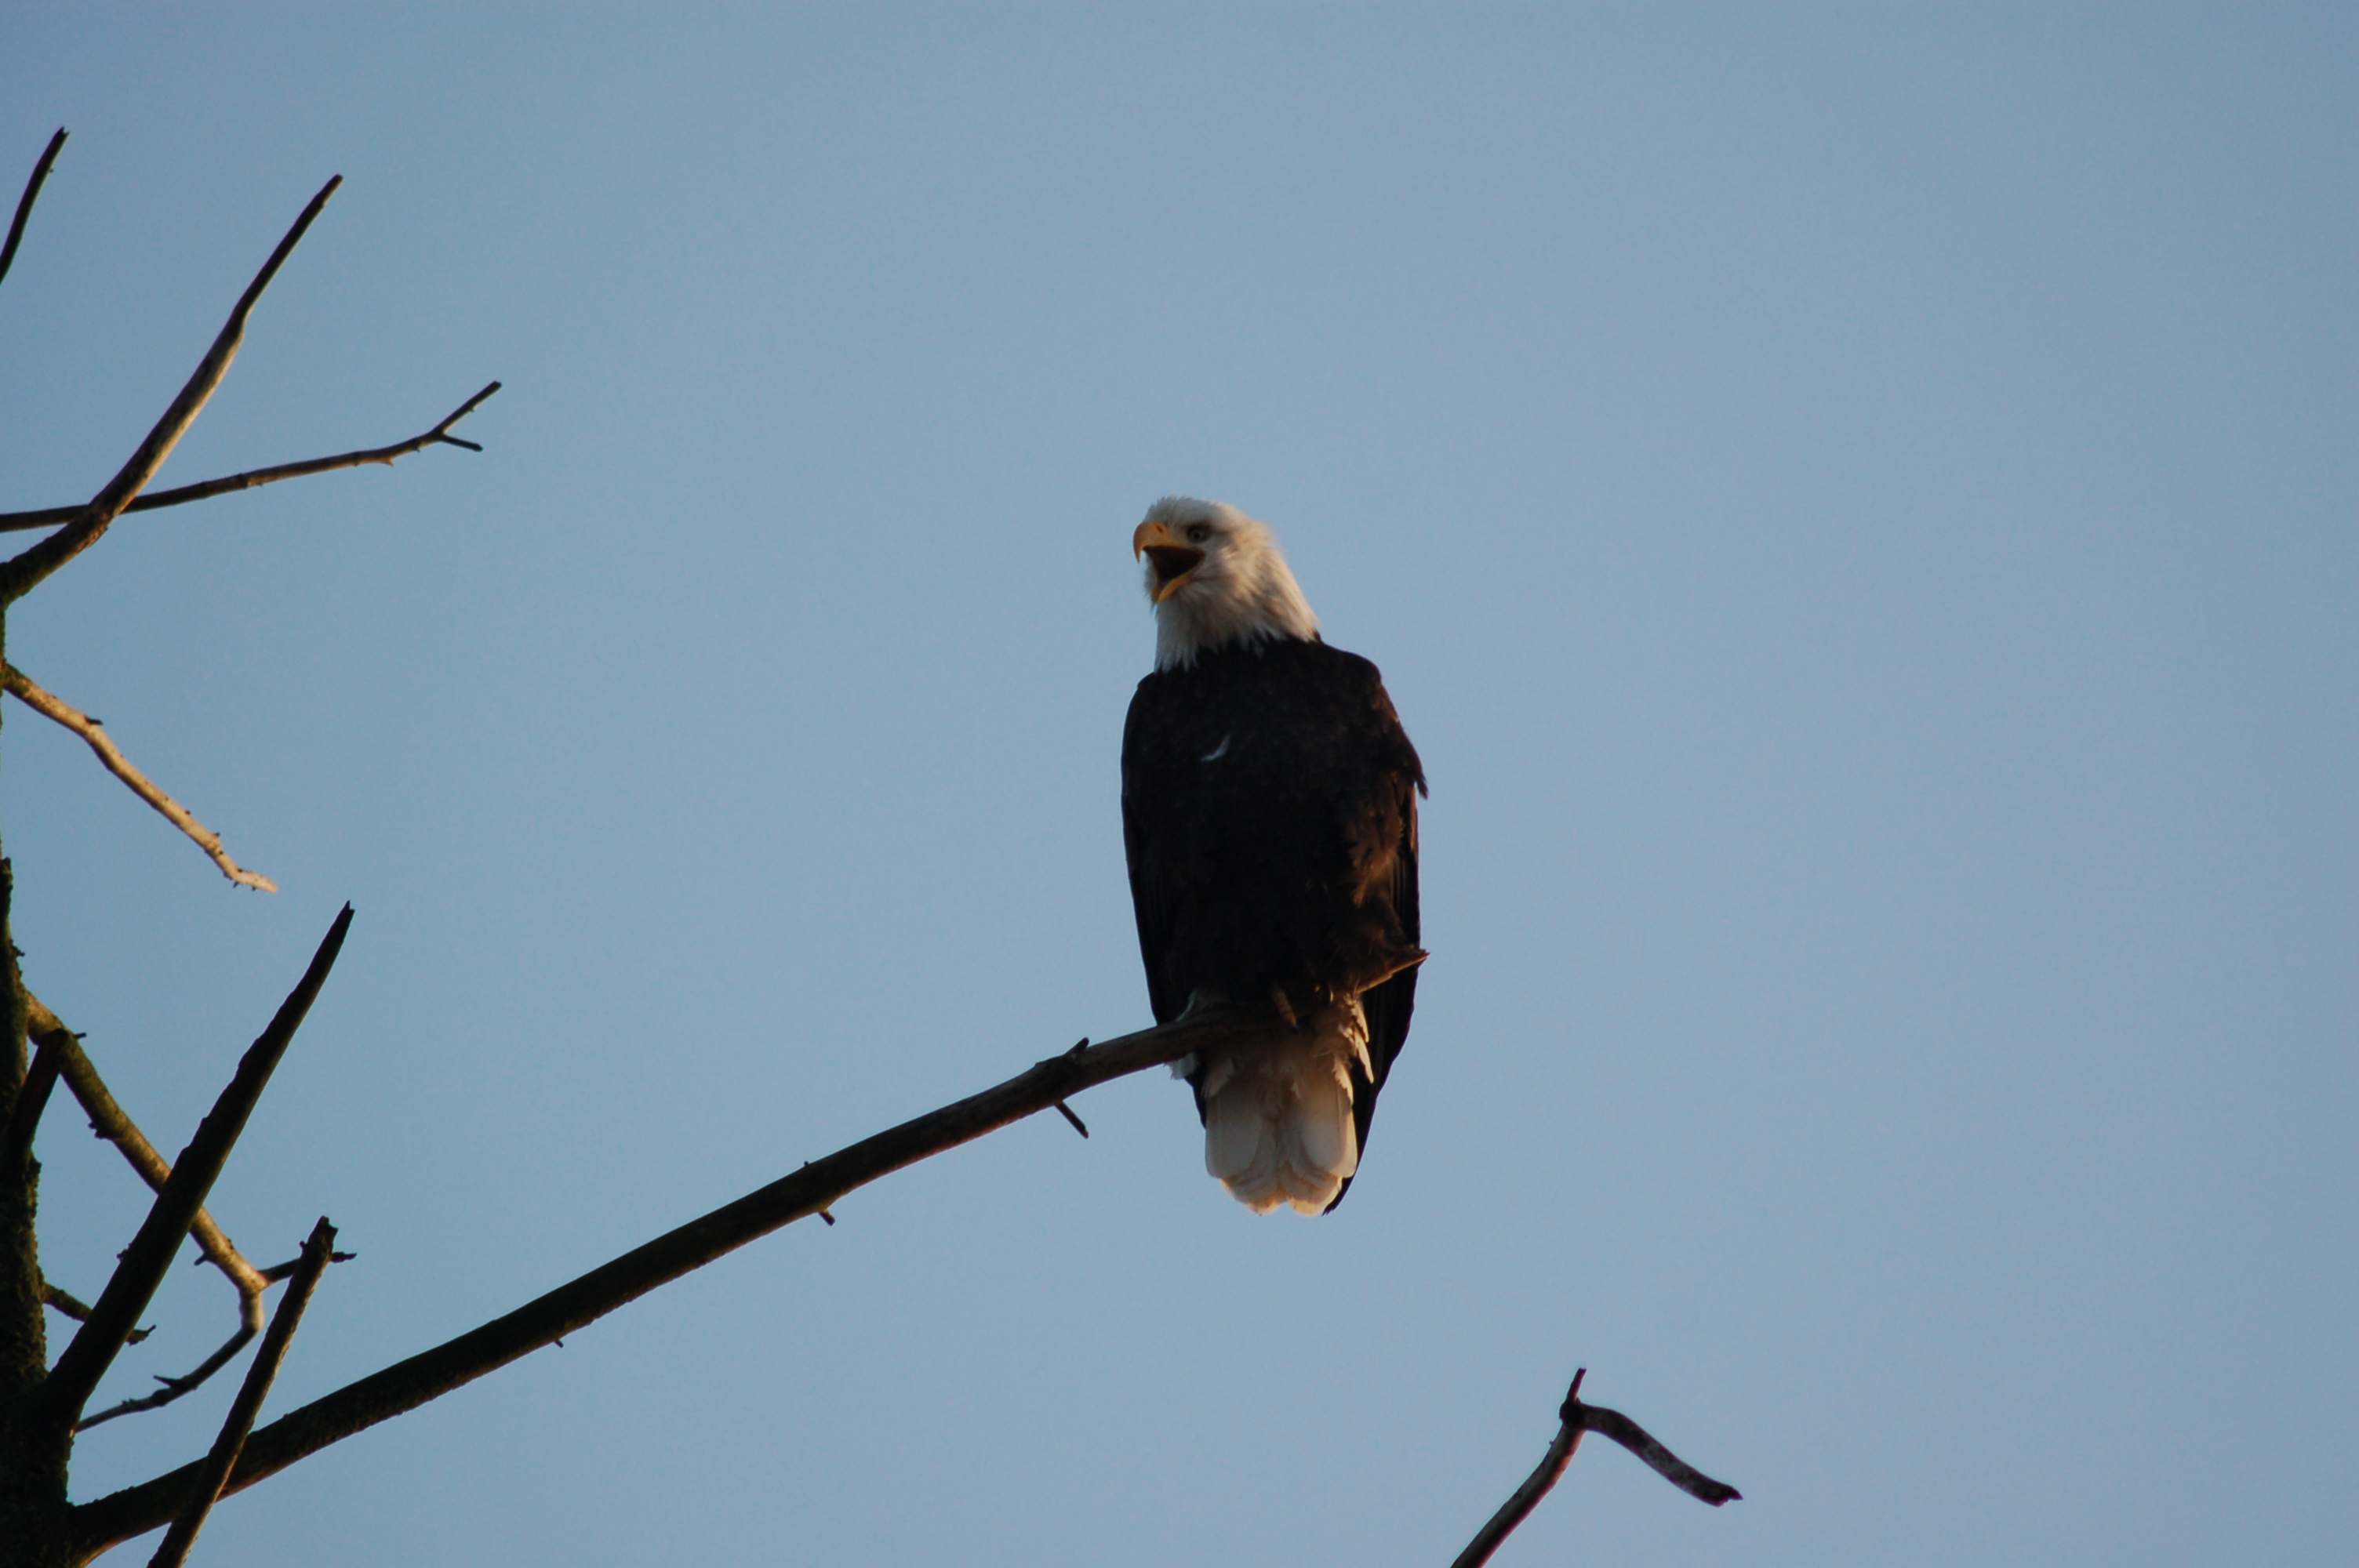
(1198, 532)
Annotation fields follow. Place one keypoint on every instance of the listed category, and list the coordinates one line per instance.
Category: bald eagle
(1269, 811)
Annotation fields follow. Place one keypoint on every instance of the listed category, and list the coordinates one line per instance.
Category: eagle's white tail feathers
(1277, 1112)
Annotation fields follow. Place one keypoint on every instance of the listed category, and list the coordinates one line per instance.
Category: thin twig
(11, 521)
(49, 706)
(1575, 1418)
(25, 202)
(111, 1520)
(59, 1399)
(278, 1271)
(249, 1324)
(67, 1304)
(28, 570)
(239, 1423)
(187, 1383)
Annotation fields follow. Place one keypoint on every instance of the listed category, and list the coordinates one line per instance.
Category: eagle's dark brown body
(1270, 809)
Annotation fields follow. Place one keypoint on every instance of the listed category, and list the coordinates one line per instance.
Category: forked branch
(58, 1400)
(49, 705)
(317, 1252)
(110, 1122)
(249, 1324)
(406, 1385)
(1574, 1419)
(28, 570)
(11, 521)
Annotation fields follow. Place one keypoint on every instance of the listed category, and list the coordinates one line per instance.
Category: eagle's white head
(1216, 577)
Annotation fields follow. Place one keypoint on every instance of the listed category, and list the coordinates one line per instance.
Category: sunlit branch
(11, 521)
(110, 1122)
(49, 705)
(406, 1385)
(22, 574)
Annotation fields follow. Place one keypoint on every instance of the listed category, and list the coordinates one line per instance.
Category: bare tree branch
(188, 1382)
(1577, 1418)
(73, 1306)
(278, 1271)
(59, 1399)
(25, 202)
(49, 705)
(32, 1097)
(12, 522)
(116, 1517)
(239, 1423)
(55, 1042)
(28, 570)
(249, 1324)
(1528, 1497)
(1666, 1464)
(112, 1123)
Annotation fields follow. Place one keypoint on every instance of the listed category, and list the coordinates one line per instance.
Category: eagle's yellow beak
(1173, 562)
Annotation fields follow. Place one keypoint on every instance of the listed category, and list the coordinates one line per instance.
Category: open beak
(1172, 562)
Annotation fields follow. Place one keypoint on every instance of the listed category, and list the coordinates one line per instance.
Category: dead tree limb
(213, 1246)
(28, 570)
(1661, 1460)
(49, 705)
(1575, 1419)
(32, 194)
(239, 1423)
(12, 522)
(59, 1400)
(249, 1309)
(73, 1306)
(116, 1517)
(1526, 1497)
(32, 1096)
(110, 1122)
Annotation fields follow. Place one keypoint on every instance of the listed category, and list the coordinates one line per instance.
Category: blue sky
(1854, 507)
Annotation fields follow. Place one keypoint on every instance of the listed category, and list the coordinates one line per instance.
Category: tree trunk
(32, 1462)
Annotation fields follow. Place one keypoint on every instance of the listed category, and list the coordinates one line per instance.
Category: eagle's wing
(1388, 1006)
(1154, 891)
